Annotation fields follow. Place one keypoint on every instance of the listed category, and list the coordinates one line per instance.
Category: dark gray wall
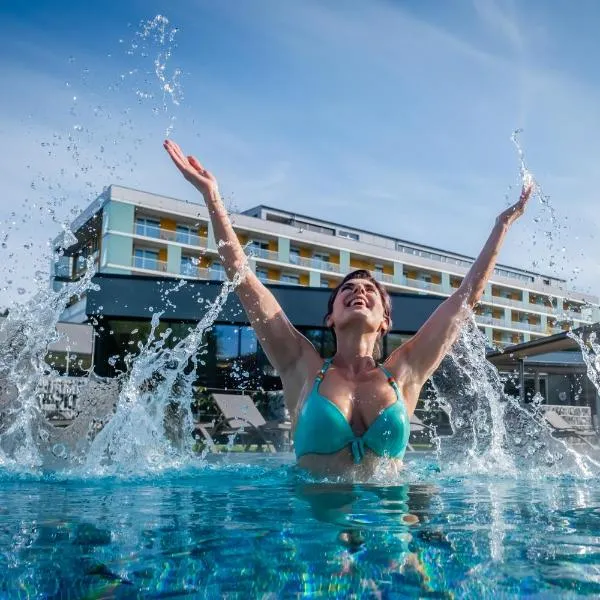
(131, 297)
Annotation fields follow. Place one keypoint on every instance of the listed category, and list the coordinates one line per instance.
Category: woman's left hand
(512, 213)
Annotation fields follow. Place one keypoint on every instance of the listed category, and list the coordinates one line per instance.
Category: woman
(348, 413)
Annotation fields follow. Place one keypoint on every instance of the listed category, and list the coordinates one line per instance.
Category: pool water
(253, 526)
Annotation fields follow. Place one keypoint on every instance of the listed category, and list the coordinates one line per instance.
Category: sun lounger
(240, 417)
(561, 428)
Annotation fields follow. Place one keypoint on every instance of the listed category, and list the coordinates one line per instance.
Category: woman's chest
(360, 402)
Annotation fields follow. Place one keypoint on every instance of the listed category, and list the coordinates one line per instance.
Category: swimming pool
(252, 526)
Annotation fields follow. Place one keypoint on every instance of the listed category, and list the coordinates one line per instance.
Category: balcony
(179, 237)
(503, 301)
(383, 277)
(541, 307)
(149, 264)
(527, 326)
(487, 320)
(263, 253)
(423, 285)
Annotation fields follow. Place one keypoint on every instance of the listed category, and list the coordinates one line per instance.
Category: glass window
(315, 337)
(189, 266)
(348, 234)
(145, 259)
(294, 256)
(147, 227)
(227, 341)
(217, 271)
(262, 274)
(185, 234)
(248, 341)
(328, 343)
(393, 341)
(289, 278)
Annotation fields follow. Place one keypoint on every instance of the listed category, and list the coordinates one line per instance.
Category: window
(189, 266)
(248, 341)
(303, 225)
(217, 271)
(262, 274)
(348, 234)
(294, 256)
(145, 259)
(186, 234)
(324, 283)
(289, 278)
(227, 342)
(320, 259)
(147, 227)
(393, 341)
(259, 248)
(378, 268)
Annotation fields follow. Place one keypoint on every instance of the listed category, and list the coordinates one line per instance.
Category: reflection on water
(260, 530)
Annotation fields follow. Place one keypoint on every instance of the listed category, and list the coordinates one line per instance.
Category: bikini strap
(323, 370)
(390, 379)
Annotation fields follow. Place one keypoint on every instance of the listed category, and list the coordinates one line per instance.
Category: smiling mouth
(357, 303)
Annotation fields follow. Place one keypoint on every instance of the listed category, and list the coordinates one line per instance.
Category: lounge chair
(418, 427)
(561, 428)
(239, 416)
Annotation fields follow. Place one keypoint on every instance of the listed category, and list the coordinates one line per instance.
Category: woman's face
(358, 301)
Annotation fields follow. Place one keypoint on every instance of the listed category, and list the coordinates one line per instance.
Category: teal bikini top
(322, 428)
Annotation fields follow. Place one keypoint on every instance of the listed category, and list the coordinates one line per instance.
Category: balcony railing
(424, 285)
(150, 264)
(263, 253)
(540, 307)
(487, 320)
(527, 326)
(180, 237)
(503, 301)
(383, 277)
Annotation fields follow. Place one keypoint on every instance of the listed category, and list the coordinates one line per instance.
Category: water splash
(155, 395)
(493, 433)
(156, 37)
(26, 333)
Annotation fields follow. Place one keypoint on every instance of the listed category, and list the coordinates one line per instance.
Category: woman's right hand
(204, 181)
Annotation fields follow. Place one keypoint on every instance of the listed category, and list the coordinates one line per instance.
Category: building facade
(131, 232)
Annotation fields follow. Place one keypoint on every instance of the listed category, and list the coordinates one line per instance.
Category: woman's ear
(384, 327)
(329, 321)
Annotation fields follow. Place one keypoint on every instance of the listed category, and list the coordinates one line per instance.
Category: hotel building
(132, 233)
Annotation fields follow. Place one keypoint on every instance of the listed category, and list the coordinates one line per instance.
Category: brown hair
(385, 299)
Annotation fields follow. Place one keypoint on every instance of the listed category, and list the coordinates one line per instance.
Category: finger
(196, 164)
(174, 149)
(180, 163)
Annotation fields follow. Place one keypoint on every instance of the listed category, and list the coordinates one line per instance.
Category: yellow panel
(273, 245)
(273, 274)
(168, 224)
(334, 258)
(162, 254)
(436, 278)
(203, 230)
(497, 313)
(410, 274)
(205, 262)
(388, 269)
(243, 238)
(304, 279)
(360, 263)
(305, 252)
(333, 284)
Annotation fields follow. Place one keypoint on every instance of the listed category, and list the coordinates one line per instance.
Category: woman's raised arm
(285, 347)
(416, 360)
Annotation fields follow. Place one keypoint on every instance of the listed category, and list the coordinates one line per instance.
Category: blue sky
(390, 116)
